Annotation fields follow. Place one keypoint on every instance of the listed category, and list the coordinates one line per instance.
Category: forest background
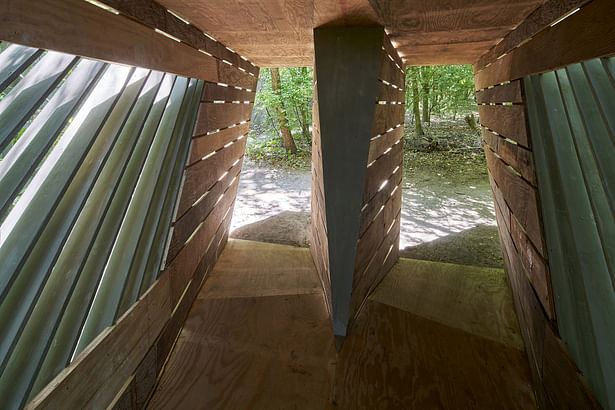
(440, 113)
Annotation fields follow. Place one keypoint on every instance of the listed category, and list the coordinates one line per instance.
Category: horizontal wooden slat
(126, 342)
(386, 141)
(201, 176)
(368, 275)
(388, 93)
(206, 144)
(499, 202)
(217, 116)
(508, 121)
(387, 116)
(539, 19)
(182, 267)
(520, 196)
(381, 170)
(392, 51)
(187, 223)
(506, 93)
(155, 15)
(518, 157)
(536, 267)
(378, 200)
(377, 230)
(80, 28)
(227, 74)
(171, 331)
(215, 92)
(584, 35)
(389, 71)
(531, 317)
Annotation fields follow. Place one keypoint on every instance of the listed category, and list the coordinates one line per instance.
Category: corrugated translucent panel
(91, 163)
(572, 121)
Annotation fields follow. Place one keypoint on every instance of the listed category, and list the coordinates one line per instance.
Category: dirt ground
(447, 210)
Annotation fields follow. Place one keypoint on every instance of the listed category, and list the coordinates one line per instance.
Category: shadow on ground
(477, 246)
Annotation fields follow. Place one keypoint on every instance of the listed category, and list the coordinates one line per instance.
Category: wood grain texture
(154, 15)
(499, 201)
(389, 70)
(389, 94)
(538, 19)
(214, 92)
(532, 320)
(467, 28)
(227, 74)
(378, 146)
(216, 116)
(232, 355)
(563, 383)
(482, 300)
(381, 170)
(377, 202)
(584, 35)
(390, 49)
(260, 30)
(202, 175)
(506, 120)
(383, 255)
(517, 156)
(77, 27)
(435, 366)
(185, 225)
(536, 266)
(205, 144)
(230, 339)
(233, 278)
(241, 343)
(520, 197)
(386, 117)
(506, 93)
(277, 34)
(187, 260)
(319, 242)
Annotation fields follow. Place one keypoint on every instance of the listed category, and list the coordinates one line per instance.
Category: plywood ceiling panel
(275, 33)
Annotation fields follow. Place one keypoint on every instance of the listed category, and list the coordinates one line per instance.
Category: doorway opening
(273, 200)
(447, 205)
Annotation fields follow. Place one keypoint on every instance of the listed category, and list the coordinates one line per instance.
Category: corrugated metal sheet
(91, 161)
(572, 121)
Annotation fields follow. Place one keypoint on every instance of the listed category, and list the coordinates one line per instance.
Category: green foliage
(270, 149)
(446, 91)
(449, 89)
(265, 139)
(296, 87)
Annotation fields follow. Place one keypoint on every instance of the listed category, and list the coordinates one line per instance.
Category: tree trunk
(287, 136)
(415, 107)
(426, 116)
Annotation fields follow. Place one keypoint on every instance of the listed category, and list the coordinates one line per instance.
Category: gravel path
(433, 205)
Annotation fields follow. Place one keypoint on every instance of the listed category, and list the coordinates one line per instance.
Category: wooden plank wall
(319, 244)
(513, 181)
(378, 245)
(141, 340)
(534, 47)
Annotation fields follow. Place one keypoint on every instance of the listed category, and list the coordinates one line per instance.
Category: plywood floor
(432, 335)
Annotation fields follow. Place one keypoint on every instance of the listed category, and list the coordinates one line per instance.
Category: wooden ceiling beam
(538, 20)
